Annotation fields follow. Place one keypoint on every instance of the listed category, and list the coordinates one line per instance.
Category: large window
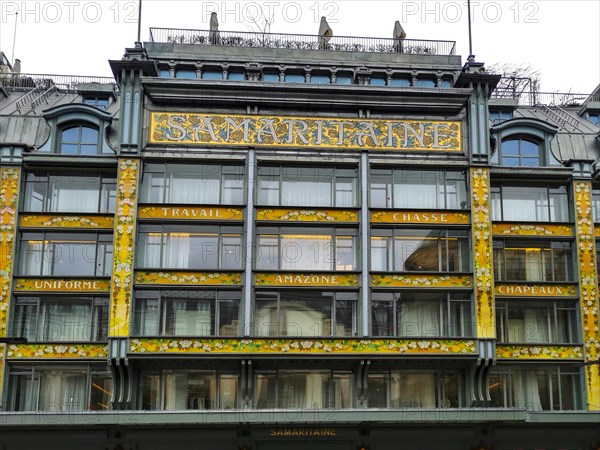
(51, 318)
(307, 186)
(295, 389)
(421, 314)
(305, 312)
(416, 389)
(536, 322)
(543, 388)
(58, 388)
(179, 390)
(306, 248)
(63, 192)
(205, 312)
(533, 260)
(530, 203)
(66, 254)
(79, 140)
(418, 189)
(203, 247)
(193, 184)
(420, 250)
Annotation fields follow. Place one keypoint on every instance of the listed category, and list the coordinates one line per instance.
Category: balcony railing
(65, 83)
(301, 42)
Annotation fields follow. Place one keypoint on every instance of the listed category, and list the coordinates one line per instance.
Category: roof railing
(66, 83)
(301, 41)
(534, 98)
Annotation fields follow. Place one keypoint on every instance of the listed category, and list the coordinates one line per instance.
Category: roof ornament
(214, 36)
(325, 34)
(399, 36)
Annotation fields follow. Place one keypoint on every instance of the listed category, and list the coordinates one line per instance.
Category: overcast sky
(560, 39)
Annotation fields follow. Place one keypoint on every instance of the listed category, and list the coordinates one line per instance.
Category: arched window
(78, 140)
(521, 152)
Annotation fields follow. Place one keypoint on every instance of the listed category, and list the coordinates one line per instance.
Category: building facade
(267, 241)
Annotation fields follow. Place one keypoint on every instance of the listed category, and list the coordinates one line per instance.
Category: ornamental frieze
(418, 217)
(61, 285)
(188, 278)
(190, 213)
(66, 221)
(309, 132)
(547, 230)
(421, 281)
(535, 290)
(304, 345)
(307, 215)
(57, 351)
(538, 351)
(303, 279)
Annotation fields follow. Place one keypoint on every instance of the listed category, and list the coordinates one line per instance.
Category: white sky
(560, 39)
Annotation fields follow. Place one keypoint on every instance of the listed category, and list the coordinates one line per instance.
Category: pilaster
(482, 254)
(588, 289)
(10, 180)
(124, 247)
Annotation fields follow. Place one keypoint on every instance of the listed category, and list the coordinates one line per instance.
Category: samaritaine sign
(310, 132)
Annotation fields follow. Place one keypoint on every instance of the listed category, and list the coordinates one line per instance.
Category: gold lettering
(444, 218)
(165, 211)
(273, 432)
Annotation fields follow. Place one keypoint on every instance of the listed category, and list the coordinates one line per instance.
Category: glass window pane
(510, 147)
(294, 78)
(271, 77)
(343, 79)
(212, 75)
(530, 149)
(320, 79)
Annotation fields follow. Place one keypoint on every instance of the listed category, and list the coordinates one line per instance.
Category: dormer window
(521, 152)
(77, 129)
(594, 118)
(78, 140)
(97, 102)
(523, 142)
(500, 115)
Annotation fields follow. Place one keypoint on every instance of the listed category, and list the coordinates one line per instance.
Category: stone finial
(213, 35)
(399, 36)
(399, 32)
(325, 33)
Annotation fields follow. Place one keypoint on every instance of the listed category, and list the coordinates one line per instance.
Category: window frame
(498, 199)
(104, 180)
(520, 141)
(276, 376)
(34, 373)
(168, 171)
(445, 309)
(439, 391)
(45, 237)
(279, 174)
(331, 256)
(500, 260)
(95, 332)
(502, 377)
(79, 143)
(444, 179)
(217, 376)
(164, 296)
(394, 234)
(274, 296)
(166, 230)
(504, 308)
